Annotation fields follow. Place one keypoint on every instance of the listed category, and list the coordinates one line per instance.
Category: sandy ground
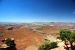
(32, 47)
(24, 37)
(27, 39)
(60, 46)
(51, 38)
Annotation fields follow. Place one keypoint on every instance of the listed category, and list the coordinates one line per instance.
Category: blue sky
(37, 10)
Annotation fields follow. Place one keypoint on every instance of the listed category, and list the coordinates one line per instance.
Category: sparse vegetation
(53, 45)
(28, 35)
(67, 35)
(48, 45)
(10, 44)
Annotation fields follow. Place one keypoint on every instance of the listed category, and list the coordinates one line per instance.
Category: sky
(37, 10)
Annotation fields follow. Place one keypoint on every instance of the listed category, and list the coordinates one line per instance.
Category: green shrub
(45, 46)
(48, 46)
(53, 45)
(9, 42)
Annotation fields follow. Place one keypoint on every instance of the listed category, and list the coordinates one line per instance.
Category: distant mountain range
(38, 23)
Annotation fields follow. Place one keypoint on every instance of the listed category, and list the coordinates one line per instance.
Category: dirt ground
(27, 39)
(24, 37)
(60, 46)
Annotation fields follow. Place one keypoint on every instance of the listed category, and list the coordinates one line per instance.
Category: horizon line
(38, 22)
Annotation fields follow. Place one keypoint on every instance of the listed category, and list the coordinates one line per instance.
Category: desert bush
(48, 45)
(45, 46)
(53, 45)
(8, 41)
(11, 44)
(67, 35)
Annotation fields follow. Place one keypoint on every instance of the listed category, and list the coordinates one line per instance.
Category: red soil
(23, 37)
